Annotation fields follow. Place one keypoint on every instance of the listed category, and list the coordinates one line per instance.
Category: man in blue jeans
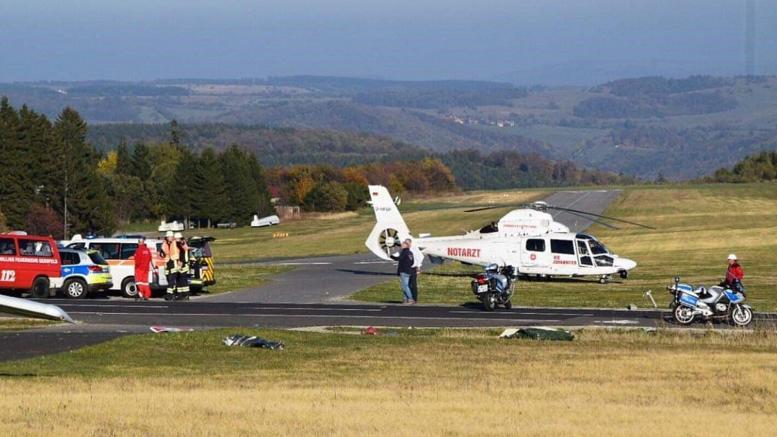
(405, 270)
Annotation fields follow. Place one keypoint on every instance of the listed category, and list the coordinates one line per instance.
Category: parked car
(119, 253)
(84, 273)
(29, 263)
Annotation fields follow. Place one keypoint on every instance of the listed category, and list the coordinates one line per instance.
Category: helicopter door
(583, 254)
(534, 252)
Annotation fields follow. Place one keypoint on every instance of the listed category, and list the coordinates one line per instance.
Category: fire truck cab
(29, 263)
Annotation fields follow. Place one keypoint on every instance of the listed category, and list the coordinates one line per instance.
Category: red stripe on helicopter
(463, 251)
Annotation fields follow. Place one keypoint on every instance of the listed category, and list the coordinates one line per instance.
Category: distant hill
(680, 128)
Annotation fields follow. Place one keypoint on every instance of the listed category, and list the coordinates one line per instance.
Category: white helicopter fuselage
(526, 239)
(552, 254)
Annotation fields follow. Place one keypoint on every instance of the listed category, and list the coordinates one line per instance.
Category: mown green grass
(17, 323)
(202, 353)
(231, 277)
(697, 227)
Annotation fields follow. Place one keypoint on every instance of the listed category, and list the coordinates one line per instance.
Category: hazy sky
(526, 41)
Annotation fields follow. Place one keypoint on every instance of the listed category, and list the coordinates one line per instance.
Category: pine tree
(123, 160)
(141, 163)
(82, 195)
(242, 191)
(13, 174)
(264, 206)
(212, 187)
(181, 196)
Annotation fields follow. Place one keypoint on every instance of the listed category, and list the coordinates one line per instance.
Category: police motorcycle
(495, 287)
(716, 302)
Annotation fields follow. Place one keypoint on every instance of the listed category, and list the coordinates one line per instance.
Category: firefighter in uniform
(170, 251)
(182, 264)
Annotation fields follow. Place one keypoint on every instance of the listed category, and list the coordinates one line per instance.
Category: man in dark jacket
(405, 270)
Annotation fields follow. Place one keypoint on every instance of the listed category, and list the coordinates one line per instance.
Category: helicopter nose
(625, 263)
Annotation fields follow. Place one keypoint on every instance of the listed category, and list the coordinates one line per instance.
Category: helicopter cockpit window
(597, 248)
(489, 228)
(582, 251)
(535, 245)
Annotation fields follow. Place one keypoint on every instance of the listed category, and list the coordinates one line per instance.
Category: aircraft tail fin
(390, 229)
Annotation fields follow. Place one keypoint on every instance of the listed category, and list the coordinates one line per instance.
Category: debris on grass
(252, 341)
(538, 333)
(164, 329)
(371, 330)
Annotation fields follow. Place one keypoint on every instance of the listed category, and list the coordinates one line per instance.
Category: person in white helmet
(170, 252)
(735, 273)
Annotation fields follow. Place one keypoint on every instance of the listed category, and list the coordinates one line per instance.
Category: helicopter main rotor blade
(486, 208)
(595, 220)
(558, 208)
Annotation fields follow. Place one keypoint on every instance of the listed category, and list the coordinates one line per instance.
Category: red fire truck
(29, 263)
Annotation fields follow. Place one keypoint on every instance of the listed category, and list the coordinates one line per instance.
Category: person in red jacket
(734, 272)
(142, 269)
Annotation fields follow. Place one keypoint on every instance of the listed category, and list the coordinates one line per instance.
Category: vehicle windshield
(97, 258)
(597, 248)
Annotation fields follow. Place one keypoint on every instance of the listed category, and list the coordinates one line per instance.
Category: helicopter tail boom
(390, 229)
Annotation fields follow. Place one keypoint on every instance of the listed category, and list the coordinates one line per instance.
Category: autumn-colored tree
(42, 220)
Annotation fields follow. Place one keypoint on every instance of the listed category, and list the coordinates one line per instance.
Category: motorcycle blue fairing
(734, 297)
(689, 299)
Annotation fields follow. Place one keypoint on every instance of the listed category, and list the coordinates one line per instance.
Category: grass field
(19, 323)
(230, 277)
(450, 382)
(697, 227)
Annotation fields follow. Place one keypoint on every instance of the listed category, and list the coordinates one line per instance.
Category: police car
(119, 253)
(84, 273)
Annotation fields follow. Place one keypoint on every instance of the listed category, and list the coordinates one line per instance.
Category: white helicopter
(527, 239)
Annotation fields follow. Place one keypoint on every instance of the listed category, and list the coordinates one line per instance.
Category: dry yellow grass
(603, 384)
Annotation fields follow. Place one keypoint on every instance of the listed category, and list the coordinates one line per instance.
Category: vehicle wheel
(128, 288)
(509, 304)
(624, 274)
(75, 289)
(603, 280)
(40, 288)
(741, 316)
(683, 315)
(489, 301)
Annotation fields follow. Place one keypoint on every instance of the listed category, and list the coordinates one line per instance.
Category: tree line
(760, 167)
(53, 181)
(328, 188)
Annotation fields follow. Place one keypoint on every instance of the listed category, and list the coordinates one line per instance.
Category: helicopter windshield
(597, 248)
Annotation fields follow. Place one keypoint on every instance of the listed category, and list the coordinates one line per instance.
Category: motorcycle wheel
(489, 301)
(683, 315)
(741, 316)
